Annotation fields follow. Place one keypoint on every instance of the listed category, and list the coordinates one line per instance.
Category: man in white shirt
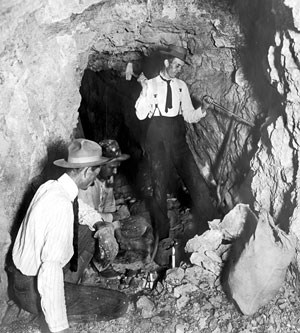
(44, 243)
(166, 104)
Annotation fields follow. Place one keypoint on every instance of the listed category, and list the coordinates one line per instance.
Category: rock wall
(275, 167)
(44, 49)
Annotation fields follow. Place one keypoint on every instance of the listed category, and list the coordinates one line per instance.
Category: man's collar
(163, 77)
(69, 185)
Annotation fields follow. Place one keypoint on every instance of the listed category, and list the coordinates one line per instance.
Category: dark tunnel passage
(107, 111)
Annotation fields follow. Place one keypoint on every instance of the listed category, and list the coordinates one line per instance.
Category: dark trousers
(167, 149)
(83, 303)
(24, 289)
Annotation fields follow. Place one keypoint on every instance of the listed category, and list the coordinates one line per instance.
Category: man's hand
(142, 80)
(206, 102)
(202, 110)
(98, 226)
(107, 244)
(207, 99)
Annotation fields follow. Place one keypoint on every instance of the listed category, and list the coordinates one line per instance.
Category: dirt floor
(206, 310)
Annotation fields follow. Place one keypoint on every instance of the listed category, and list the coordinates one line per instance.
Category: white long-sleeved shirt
(152, 101)
(44, 245)
(96, 203)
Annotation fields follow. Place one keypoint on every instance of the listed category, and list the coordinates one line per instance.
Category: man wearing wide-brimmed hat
(165, 102)
(44, 244)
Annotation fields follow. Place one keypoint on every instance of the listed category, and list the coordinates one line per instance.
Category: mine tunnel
(223, 143)
(66, 74)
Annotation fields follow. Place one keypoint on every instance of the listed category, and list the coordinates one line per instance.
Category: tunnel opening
(222, 147)
(107, 111)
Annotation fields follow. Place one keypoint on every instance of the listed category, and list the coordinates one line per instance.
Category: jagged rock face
(44, 50)
(275, 168)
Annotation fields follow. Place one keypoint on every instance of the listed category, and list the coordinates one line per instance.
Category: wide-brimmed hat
(111, 149)
(175, 51)
(83, 153)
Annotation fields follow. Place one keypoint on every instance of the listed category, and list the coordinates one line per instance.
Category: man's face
(174, 67)
(109, 170)
(88, 176)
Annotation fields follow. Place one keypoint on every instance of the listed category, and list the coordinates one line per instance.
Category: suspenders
(156, 107)
(151, 113)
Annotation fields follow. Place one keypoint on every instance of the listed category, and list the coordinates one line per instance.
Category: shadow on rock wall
(49, 171)
(260, 21)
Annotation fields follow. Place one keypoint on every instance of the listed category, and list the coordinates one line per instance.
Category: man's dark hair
(154, 63)
(166, 57)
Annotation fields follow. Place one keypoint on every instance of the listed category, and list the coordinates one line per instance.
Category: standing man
(44, 244)
(166, 101)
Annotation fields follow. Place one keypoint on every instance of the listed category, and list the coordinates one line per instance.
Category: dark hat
(175, 51)
(82, 153)
(111, 149)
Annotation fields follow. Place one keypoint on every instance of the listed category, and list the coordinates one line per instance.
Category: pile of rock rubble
(189, 298)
